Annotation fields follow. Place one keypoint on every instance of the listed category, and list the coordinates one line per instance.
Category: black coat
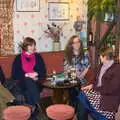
(19, 74)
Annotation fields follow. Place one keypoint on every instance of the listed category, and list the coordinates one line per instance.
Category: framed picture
(58, 11)
(27, 5)
(108, 17)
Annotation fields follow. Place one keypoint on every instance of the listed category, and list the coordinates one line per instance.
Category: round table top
(49, 84)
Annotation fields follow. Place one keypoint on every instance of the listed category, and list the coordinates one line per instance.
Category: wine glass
(67, 73)
(73, 73)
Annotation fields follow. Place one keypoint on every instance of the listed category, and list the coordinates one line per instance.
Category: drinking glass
(73, 73)
(67, 72)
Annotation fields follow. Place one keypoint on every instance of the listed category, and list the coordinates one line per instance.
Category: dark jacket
(110, 89)
(19, 74)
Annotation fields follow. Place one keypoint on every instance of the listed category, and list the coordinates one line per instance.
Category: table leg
(60, 96)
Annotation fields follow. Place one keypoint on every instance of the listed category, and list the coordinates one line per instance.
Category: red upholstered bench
(60, 112)
(17, 113)
(53, 61)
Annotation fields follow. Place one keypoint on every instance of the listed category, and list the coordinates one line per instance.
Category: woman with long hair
(75, 57)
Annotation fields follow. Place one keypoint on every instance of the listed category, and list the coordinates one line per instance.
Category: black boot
(13, 103)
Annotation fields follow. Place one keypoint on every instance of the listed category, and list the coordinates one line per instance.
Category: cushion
(17, 113)
(60, 112)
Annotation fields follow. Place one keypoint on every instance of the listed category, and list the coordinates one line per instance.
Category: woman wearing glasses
(75, 57)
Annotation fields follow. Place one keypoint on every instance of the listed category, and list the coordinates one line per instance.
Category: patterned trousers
(94, 99)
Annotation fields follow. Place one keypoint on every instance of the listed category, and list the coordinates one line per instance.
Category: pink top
(28, 62)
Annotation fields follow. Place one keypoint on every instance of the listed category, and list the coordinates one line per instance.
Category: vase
(56, 46)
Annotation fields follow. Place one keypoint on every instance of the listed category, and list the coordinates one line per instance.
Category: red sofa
(53, 61)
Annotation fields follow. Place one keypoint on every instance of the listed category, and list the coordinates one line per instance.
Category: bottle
(54, 75)
(53, 83)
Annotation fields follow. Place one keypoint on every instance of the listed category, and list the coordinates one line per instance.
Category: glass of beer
(73, 73)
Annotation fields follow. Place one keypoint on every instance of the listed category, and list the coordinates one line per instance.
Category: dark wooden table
(60, 92)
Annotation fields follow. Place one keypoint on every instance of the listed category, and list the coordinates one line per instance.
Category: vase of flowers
(56, 46)
(53, 31)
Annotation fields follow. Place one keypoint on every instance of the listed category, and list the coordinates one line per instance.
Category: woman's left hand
(35, 78)
(32, 75)
(88, 87)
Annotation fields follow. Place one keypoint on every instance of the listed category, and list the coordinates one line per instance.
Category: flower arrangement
(53, 31)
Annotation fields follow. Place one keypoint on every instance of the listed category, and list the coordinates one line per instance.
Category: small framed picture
(58, 11)
(108, 17)
(27, 5)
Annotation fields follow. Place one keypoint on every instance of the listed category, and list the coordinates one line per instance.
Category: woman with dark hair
(102, 97)
(27, 68)
(76, 58)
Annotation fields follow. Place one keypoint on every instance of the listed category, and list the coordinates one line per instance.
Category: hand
(35, 74)
(88, 87)
(31, 75)
(35, 78)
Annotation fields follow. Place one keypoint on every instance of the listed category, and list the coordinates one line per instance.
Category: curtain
(6, 27)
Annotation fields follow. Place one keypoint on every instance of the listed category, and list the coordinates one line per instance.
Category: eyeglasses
(76, 42)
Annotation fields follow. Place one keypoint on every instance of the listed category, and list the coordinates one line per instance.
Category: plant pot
(56, 46)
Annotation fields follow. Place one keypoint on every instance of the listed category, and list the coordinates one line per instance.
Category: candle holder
(91, 41)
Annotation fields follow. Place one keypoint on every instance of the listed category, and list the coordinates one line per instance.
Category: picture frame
(109, 17)
(27, 5)
(58, 11)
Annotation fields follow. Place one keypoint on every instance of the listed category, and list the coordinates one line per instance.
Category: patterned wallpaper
(34, 24)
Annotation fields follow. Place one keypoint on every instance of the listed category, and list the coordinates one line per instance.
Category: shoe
(13, 103)
(38, 107)
(10, 104)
